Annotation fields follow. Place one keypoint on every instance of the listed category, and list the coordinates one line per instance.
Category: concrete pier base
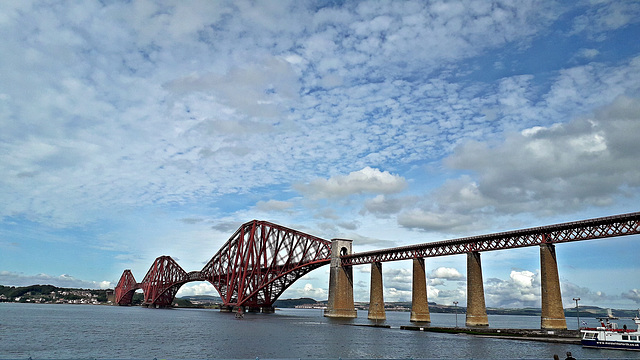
(248, 309)
(376, 294)
(340, 303)
(259, 309)
(419, 302)
(552, 316)
(226, 308)
(476, 309)
(268, 309)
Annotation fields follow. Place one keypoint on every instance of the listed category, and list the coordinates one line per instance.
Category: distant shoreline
(49, 294)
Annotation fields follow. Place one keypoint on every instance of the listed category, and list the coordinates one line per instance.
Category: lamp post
(576, 299)
(455, 303)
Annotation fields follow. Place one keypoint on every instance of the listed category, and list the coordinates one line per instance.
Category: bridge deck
(597, 228)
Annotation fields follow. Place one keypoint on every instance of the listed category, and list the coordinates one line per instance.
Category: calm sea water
(112, 332)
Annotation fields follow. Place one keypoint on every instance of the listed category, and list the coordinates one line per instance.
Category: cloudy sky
(130, 130)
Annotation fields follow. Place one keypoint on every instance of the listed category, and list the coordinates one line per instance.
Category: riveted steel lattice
(126, 287)
(253, 268)
(162, 282)
(261, 260)
(598, 228)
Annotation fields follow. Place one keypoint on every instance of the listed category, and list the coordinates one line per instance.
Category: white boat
(609, 336)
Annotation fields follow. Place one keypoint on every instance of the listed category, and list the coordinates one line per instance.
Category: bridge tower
(340, 304)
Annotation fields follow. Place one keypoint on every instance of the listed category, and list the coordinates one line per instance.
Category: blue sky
(130, 130)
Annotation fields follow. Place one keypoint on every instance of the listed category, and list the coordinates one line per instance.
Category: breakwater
(560, 336)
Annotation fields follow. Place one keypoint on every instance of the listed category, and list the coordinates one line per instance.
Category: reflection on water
(111, 332)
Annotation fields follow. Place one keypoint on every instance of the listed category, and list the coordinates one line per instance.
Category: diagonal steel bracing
(253, 268)
(126, 287)
(261, 260)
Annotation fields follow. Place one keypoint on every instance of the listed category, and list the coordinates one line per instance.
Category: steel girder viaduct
(598, 228)
(253, 268)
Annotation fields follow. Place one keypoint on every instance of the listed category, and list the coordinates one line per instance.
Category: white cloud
(392, 294)
(360, 240)
(430, 220)
(587, 296)
(349, 225)
(448, 296)
(605, 16)
(397, 279)
(561, 168)
(367, 180)
(384, 206)
(633, 294)
(523, 279)
(274, 205)
(521, 290)
(200, 288)
(308, 290)
(588, 53)
(432, 293)
(141, 108)
(257, 90)
(445, 273)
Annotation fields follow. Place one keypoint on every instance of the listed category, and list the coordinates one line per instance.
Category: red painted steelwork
(126, 287)
(261, 260)
(162, 282)
(258, 263)
(598, 228)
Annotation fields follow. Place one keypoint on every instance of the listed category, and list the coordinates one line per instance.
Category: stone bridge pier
(376, 297)
(419, 302)
(476, 309)
(552, 316)
(340, 303)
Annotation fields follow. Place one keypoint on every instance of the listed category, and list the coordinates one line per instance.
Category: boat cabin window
(625, 337)
(634, 338)
(590, 335)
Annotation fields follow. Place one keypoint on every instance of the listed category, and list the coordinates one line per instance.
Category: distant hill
(596, 312)
(290, 303)
(202, 299)
(12, 291)
(51, 294)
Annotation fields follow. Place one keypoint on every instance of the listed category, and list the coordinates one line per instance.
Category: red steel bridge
(252, 269)
(261, 260)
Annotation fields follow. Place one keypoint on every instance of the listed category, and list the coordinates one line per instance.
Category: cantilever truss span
(253, 268)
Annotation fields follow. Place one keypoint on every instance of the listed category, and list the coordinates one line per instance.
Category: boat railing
(601, 328)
